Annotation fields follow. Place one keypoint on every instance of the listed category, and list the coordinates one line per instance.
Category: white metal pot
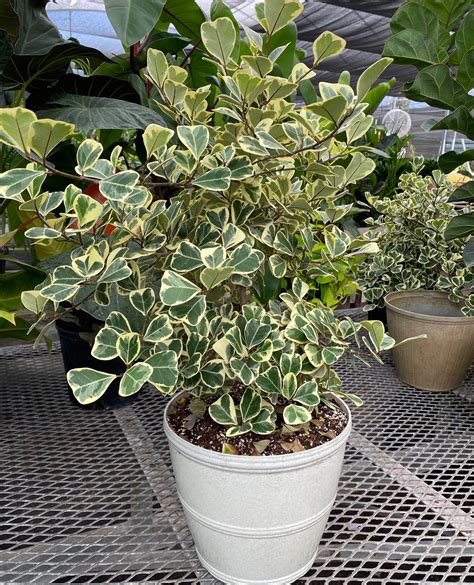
(257, 519)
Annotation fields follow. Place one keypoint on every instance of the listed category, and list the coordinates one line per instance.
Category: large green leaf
(93, 113)
(452, 160)
(464, 39)
(460, 120)
(38, 71)
(133, 19)
(415, 16)
(414, 48)
(186, 16)
(448, 11)
(468, 254)
(435, 86)
(36, 33)
(464, 193)
(460, 226)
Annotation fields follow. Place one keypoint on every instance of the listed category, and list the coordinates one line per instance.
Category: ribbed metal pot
(256, 520)
(439, 362)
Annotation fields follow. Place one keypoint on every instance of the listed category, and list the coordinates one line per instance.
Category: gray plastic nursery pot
(439, 362)
(256, 520)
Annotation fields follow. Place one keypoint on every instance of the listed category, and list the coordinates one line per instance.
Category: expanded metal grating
(89, 497)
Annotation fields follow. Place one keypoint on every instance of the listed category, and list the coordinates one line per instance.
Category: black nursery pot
(76, 353)
(378, 314)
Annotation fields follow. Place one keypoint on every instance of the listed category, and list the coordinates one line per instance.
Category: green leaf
(223, 410)
(134, 378)
(468, 254)
(460, 121)
(278, 266)
(15, 127)
(115, 271)
(118, 321)
(155, 137)
(250, 404)
(213, 374)
(264, 423)
(105, 344)
(332, 109)
(464, 193)
(213, 257)
(290, 384)
(452, 160)
(448, 11)
(88, 385)
(176, 290)
(88, 153)
(460, 226)
(464, 38)
(279, 13)
(300, 288)
(47, 134)
(370, 76)
(211, 277)
(465, 76)
(128, 347)
(143, 300)
(270, 381)
(41, 233)
(159, 329)
(165, 368)
(89, 113)
(214, 180)
(327, 45)
(195, 138)
(238, 430)
(359, 167)
(186, 16)
(15, 181)
(34, 32)
(41, 72)
(412, 47)
(246, 260)
(219, 38)
(307, 394)
(255, 333)
(59, 292)
(186, 258)
(330, 355)
(296, 415)
(191, 312)
(435, 86)
(241, 368)
(133, 19)
(87, 210)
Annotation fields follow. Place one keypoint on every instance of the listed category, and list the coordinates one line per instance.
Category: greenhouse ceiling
(363, 23)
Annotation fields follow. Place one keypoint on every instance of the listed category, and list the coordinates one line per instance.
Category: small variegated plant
(414, 252)
(173, 255)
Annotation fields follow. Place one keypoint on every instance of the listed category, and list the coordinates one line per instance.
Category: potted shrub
(170, 264)
(421, 278)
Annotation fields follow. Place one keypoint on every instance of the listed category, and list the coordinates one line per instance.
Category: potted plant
(421, 278)
(170, 264)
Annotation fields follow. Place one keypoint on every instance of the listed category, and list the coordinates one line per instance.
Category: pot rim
(420, 292)
(251, 463)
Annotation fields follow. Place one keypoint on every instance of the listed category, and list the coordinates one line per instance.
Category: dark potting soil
(201, 430)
